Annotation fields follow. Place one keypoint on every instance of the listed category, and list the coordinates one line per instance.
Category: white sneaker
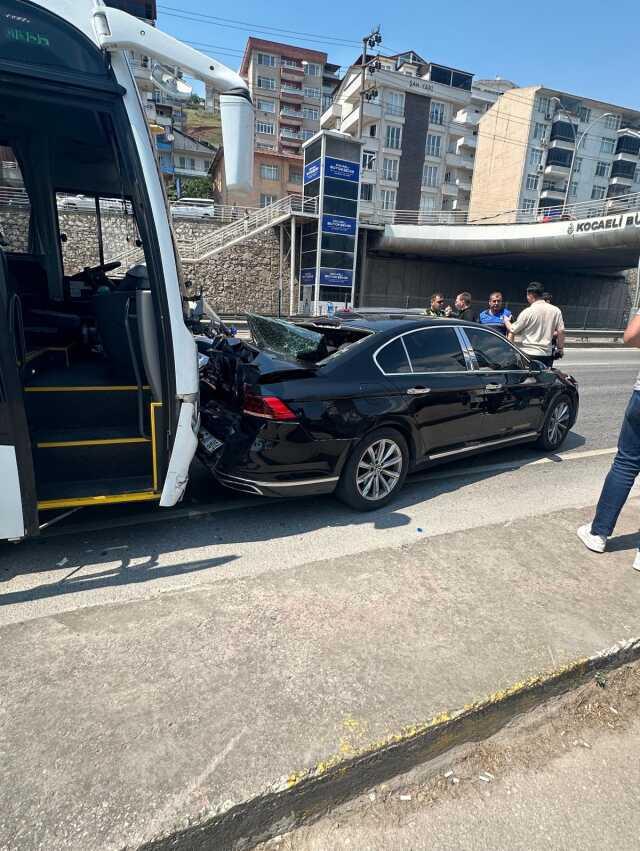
(597, 543)
(636, 561)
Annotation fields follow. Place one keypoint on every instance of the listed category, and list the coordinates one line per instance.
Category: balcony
(458, 161)
(556, 170)
(450, 189)
(370, 112)
(393, 111)
(464, 184)
(289, 92)
(466, 118)
(555, 193)
(621, 180)
(287, 73)
(466, 143)
(330, 118)
(291, 114)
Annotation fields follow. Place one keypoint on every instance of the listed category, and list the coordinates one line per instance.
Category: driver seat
(117, 323)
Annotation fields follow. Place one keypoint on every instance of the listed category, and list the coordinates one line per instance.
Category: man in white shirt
(537, 325)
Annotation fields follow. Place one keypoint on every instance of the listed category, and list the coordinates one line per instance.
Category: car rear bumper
(292, 487)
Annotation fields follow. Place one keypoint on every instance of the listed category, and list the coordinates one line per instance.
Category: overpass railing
(561, 212)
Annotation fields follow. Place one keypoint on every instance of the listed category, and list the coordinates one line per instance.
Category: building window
(182, 162)
(535, 157)
(311, 113)
(436, 116)
(312, 69)
(388, 199)
(366, 191)
(602, 169)
(539, 131)
(392, 138)
(433, 145)
(373, 131)
(583, 113)
(429, 175)
(295, 175)
(612, 122)
(577, 165)
(266, 59)
(286, 62)
(310, 92)
(192, 164)
(267, 200)
(607, 146)
(427, 203)
(543, 104)
(264, 127)
(307, 134)
(528, 205)
(598, 192)
(394, 103)
(573, 189)
(368, 160)
(327, 100)
(266, 105)
(266, 83)
(269, 172)
(390, 169)
(532, 182)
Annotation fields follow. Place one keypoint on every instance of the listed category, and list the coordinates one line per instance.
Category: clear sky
(589, 48)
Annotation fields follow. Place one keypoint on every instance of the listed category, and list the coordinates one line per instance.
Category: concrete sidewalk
(123, 724)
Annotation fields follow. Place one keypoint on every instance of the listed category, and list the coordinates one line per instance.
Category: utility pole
(372, 40)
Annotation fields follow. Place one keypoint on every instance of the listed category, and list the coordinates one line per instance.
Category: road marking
(573, 364)
(511, 465)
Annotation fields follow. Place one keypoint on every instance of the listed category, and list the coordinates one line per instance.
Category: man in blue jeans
(625, 467)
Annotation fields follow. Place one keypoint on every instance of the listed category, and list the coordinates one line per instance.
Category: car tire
(557, 424)
(375, 470)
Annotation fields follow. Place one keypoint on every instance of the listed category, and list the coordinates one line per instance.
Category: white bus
(99, 396)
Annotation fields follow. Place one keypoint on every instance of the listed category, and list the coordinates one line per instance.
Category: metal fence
(578, 317)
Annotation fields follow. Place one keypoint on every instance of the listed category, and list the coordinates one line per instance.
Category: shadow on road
(134, 554)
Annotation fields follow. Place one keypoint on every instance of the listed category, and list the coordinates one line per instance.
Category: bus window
(15, 208)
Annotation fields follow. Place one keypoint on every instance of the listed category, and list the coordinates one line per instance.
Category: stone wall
(243, 277)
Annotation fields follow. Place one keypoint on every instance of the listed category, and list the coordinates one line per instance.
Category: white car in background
(198, 207)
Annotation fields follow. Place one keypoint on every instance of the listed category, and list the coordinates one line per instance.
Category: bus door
(18, 511)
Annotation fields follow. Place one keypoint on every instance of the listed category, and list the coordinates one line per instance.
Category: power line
(230, 23)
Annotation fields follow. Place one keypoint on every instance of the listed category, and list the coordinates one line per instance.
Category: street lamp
(372, 40)
(577, 141)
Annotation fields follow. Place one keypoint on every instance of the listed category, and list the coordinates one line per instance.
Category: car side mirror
(536, 366)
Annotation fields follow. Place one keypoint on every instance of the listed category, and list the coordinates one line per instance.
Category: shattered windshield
(285, 338)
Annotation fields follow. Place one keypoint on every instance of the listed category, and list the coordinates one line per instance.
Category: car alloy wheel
(379, 469)
(558, 423)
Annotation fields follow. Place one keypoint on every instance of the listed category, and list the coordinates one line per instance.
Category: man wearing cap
(537, 325)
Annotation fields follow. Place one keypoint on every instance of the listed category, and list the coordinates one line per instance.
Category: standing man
(537, 326)
(462, 308)
(437, 305)
(625, 467)
(496, 314)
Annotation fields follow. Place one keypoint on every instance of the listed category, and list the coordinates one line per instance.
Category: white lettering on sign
(418, 84)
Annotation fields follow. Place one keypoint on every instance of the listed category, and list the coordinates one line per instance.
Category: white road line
(586, 364)
(512, 465)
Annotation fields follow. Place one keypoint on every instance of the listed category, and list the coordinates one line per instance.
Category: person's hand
(447, 310)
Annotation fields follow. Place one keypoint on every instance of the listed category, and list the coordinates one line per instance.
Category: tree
(196, 187)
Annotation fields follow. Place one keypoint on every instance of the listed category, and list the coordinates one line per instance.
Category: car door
(443, 396)
(514, 392)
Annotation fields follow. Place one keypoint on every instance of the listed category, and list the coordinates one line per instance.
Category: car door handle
(418, 391)
(494, 388)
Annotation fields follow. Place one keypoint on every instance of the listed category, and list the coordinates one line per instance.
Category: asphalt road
(116, 554)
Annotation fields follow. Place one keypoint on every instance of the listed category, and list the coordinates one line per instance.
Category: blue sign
(342, 169)
(308, 276)
(339, 224)
(312, 171)
(336, 277)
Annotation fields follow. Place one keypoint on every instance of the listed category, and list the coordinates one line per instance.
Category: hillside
(203, 125)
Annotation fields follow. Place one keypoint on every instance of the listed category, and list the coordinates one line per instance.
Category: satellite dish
(168, 82)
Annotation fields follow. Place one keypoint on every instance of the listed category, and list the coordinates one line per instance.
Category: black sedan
(354, 405)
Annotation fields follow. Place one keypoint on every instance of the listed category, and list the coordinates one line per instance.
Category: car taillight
(268, 407)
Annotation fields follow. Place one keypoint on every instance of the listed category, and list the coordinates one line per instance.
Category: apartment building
(537, 147)
(290, 87)
(417, 121)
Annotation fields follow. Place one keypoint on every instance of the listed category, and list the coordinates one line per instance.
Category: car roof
(387, 325)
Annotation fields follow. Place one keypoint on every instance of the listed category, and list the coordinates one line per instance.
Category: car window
(435, 350)
(492, 352)
(392, 359)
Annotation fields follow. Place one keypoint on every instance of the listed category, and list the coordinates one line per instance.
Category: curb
(307, 794)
